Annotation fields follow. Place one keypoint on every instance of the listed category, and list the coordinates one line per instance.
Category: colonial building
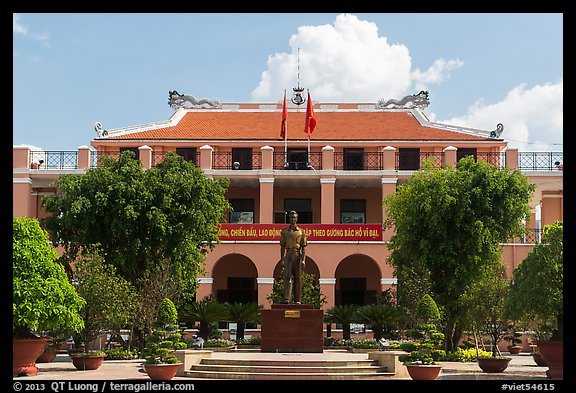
(335, 179)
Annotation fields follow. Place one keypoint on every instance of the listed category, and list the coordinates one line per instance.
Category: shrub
(43, 298)
(218, 343)
(121, 354)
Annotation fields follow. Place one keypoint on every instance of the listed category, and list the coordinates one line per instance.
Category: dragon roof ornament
(99, 130)
(177, 100)
(419, 100)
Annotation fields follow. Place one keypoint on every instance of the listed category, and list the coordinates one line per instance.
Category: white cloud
(18, 27)
(528, 114)
(438, 72)
(344, 62)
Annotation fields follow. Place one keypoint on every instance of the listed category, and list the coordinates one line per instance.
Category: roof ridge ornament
(498, 131)
(177, 100)
(419, 100)
(99, 130)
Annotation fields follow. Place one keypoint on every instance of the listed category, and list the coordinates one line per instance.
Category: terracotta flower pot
(48, 355)
(553, 354)
(493, 365)
(24, 354)
(162, 372)
(87, 362)
(539, 359)
(424, 372)
(514, 349)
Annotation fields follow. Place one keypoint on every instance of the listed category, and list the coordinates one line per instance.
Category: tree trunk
(203, 330)
(346, 331)
(448, 330)
(240, 330)
(456, 336)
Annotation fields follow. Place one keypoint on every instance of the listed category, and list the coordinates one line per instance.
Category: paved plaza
(521, 367)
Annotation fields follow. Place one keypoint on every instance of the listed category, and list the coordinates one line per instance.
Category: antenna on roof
(297, 99)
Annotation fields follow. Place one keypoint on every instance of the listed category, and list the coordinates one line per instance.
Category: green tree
(489, 297)
(537, 287)
(310, 291)
(111, 300)
(167, 313)
(43, 299)
(240, 313)
(140, 217)
(157, 284)
(427, 310)
(343, 315)
(205, 311)
(448, 222)
(165, 339)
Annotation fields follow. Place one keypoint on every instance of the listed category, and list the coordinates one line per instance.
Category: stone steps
(262, 369)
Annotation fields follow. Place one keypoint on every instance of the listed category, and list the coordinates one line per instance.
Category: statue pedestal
(292, 328)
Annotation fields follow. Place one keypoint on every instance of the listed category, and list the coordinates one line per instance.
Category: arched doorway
(235, 279)
(357, 280)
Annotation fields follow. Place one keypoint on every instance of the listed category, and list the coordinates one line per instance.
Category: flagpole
(285, 135)
(307, 120)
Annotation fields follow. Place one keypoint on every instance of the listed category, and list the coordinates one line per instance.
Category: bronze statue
(293, 254)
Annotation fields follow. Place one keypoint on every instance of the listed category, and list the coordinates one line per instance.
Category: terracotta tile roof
(263, 125)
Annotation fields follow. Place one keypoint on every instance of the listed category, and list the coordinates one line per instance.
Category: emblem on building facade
(297, 98)
(177, 100)
(419, 100)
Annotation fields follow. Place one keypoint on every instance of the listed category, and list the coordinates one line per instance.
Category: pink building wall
(269, 189)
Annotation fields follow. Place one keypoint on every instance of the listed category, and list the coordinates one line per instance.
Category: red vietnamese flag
(310, 119)
(284, 118)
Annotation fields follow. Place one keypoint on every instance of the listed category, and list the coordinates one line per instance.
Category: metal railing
(54, 159)
(224, 161)
(96, 157)
(279, 163)
(541, 161)
(366, 161)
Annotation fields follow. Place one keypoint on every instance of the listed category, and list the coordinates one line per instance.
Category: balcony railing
(281, 161)
(362, 161)
(224, 161)
(96, 157)
(540, 161)
(365, 161)
(533, 236)
(54, 159)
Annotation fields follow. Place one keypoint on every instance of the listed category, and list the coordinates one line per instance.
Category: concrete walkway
(521, 367)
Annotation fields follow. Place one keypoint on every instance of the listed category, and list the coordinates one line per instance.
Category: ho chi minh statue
(293, 255)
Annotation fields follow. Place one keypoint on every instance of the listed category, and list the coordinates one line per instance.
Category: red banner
(324, 232)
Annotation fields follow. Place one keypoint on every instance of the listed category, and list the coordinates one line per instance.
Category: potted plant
(421, 360)
(537, 293)
(90, 360)
(36, 273)
(515, 346)
(161, 363)
(489, 293)
(54, 344)
(111, 301)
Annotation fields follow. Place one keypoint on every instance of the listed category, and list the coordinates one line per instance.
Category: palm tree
(380, 317)
(344, 315)
(242, 313)
(205, 311)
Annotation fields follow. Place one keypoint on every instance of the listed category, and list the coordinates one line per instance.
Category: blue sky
(71, 70)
